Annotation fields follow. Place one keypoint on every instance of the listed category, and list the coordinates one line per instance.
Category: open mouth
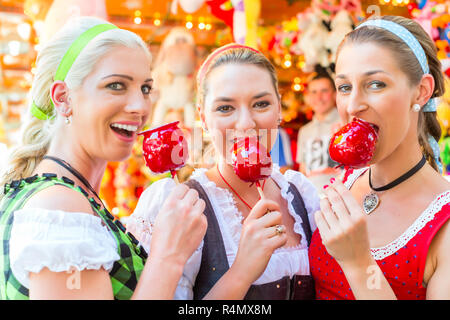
(236, 139)
(375, 127)
(124, 130)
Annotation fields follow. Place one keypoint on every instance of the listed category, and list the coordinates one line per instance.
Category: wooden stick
(175, 177)
(260, 190)
(261, 193)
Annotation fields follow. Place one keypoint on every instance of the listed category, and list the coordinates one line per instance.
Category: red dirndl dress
(402, 261)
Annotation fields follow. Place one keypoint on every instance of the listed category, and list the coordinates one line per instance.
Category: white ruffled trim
(140, 222)
(308, 192)
(141, 229)
(59, 240)
(284, 185)
(284, 261)
(233, 217)
(354, 176)
(428, 215)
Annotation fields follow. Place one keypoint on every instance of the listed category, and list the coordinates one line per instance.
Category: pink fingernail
(332, 180)
(325, 186)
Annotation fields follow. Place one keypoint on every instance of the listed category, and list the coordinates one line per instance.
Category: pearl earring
(67, 120)
(416, 107)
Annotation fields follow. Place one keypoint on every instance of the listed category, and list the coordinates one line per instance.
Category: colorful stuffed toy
(341, 24)
(313, 44)
(240, 15)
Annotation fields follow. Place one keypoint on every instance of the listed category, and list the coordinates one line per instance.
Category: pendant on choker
(370, 203)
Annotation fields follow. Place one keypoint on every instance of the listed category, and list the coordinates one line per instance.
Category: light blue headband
(412, 43)
(418, 51)
(435, 146)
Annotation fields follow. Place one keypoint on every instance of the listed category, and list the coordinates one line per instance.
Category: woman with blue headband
(90, 96)
(387, 74)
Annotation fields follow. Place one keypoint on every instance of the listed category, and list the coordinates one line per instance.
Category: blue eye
(146, 89)
(116, 86)
(345, 88)
(377, 85)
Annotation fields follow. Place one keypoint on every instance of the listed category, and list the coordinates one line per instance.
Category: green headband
(68, 60)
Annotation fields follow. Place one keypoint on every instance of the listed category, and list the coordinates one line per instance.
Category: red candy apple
(251, 160)
(165, 148)
(354, 144)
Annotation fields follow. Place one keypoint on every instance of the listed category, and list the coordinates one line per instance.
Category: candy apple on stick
(165, 149)
(251, 161)
(353, 145)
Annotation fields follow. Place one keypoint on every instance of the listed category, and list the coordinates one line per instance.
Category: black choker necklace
(371, 201)
(76, 173)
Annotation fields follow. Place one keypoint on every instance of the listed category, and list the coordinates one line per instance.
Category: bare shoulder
(443, 240)
(437, 256)
(436, 183)
(60, 198)
(440, 245)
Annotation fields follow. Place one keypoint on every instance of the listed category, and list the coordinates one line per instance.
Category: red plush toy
(217, 9)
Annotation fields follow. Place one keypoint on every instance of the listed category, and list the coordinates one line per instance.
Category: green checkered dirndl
(125, 272)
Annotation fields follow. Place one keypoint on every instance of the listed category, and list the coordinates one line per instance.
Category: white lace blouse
(61, 241)
(284, 261)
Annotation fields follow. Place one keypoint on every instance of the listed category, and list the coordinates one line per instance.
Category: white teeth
(125, 127)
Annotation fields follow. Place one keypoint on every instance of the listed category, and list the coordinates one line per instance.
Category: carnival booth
(299, 36)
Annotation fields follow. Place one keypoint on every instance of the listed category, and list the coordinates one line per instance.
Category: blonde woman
(90, 96)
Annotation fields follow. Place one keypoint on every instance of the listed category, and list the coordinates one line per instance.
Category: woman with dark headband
(90, 96)
(247, 252)
(387, 74)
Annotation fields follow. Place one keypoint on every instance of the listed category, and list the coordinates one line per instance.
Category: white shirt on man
(312, 148)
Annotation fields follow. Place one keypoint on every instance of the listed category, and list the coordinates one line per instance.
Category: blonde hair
(36, 134)
(408, 63)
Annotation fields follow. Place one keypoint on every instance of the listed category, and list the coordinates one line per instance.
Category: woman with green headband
(384, 232)
(90, 96)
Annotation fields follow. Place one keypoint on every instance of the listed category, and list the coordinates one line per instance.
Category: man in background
(314, 137)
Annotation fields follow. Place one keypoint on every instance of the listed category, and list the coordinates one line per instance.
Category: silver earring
(67, 120)
(416, 107)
